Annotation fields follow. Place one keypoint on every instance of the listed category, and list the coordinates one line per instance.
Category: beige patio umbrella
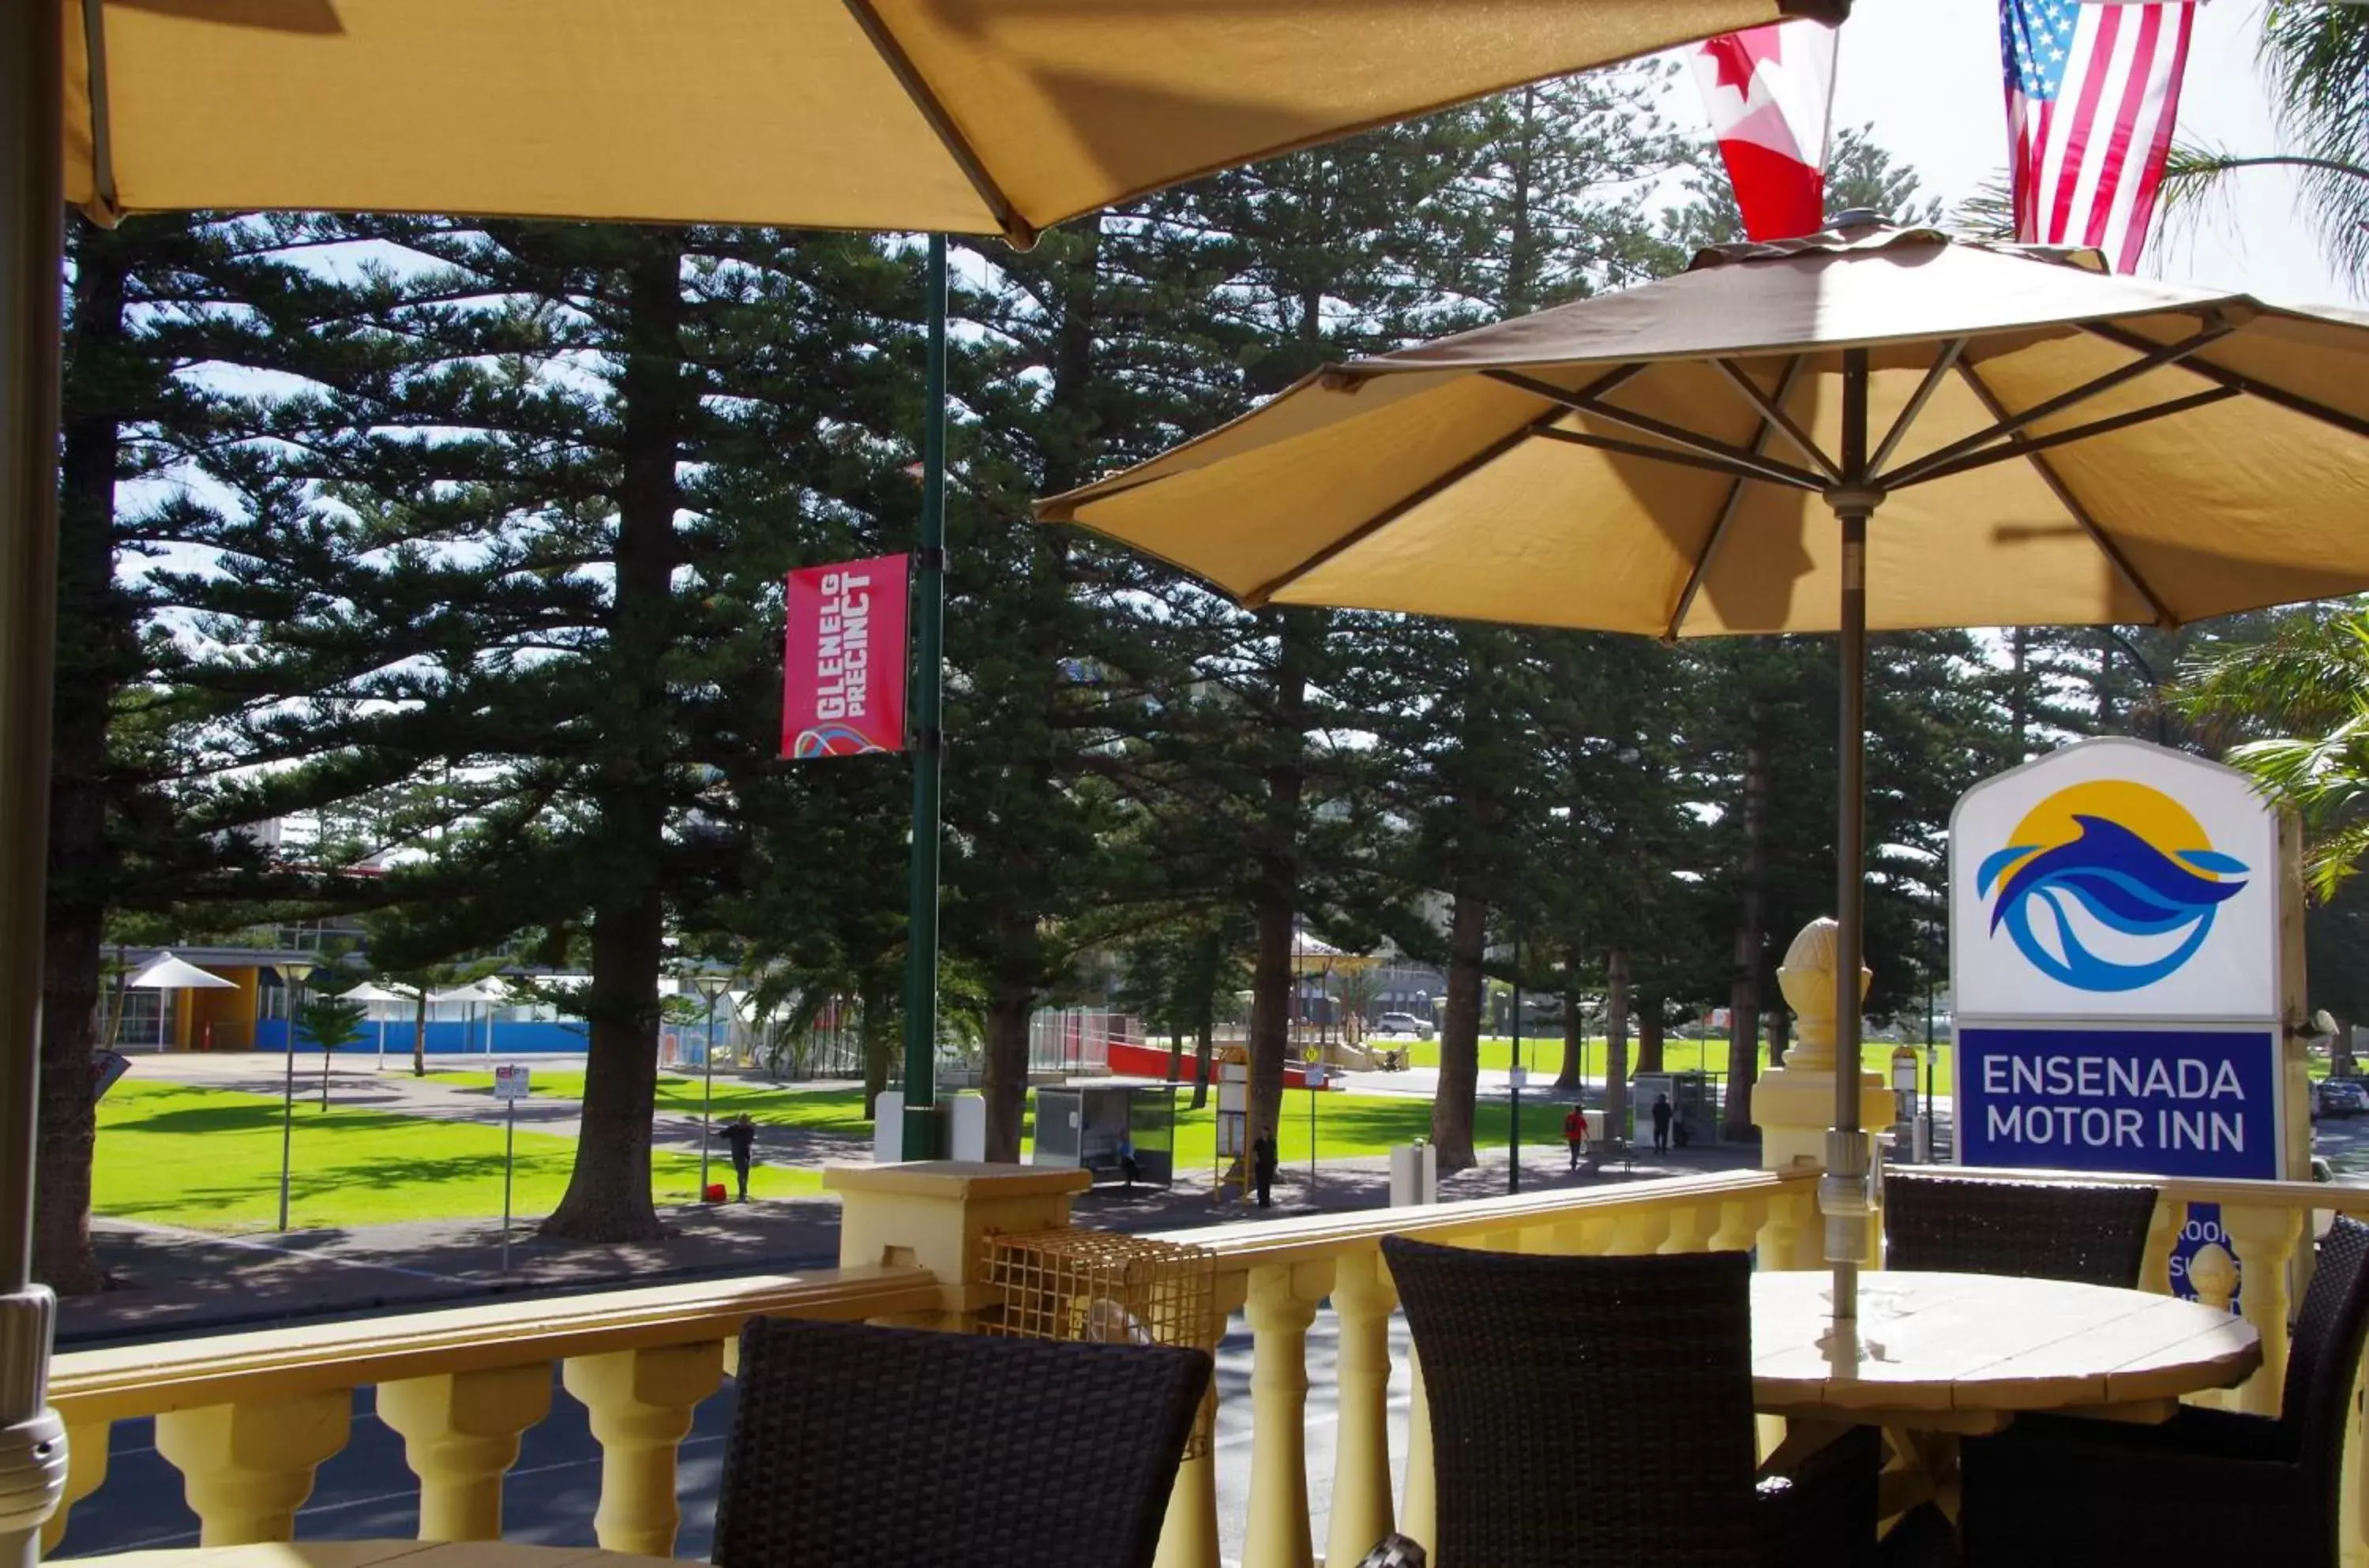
(1873, 427)
(964, 116)
(973, 116)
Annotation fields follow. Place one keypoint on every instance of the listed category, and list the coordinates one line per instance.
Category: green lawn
(1677, 1056)
(209, 1158)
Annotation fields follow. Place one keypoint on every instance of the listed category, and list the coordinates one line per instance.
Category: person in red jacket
(1574, 1133)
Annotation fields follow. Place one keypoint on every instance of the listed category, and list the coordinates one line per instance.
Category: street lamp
(291, 975)
(711, 985)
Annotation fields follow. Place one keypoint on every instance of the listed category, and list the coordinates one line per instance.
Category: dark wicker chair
(2094, 1235)
(1600, 1411)
(2207, 1486)
(874, 1448)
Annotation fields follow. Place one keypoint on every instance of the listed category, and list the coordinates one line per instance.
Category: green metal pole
(922, 1122)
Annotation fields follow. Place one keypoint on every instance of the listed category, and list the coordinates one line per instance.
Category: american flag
(2091, 94)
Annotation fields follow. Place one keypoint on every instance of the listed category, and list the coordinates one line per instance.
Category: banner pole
(921, 1124)
(510, 1167)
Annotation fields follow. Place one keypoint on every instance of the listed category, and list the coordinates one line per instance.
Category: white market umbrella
(367, 992)
(168, 973)
(476, 993)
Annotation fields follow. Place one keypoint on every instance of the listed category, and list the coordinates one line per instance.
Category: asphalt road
(367, 1491)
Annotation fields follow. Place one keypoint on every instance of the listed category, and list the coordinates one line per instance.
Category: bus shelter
(1120, 1130)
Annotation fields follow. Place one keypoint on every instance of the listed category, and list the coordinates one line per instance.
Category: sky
(1925, 75)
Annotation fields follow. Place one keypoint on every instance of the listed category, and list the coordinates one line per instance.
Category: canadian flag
(1771, 91)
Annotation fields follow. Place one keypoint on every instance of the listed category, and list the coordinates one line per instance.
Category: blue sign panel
(2185, 1103)
(2203, 1261)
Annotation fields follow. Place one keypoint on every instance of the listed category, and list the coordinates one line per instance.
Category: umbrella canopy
(168, 973)
(964, 116)
(2079, 447)
(367, 992)
(2002, 435)
(477, 992)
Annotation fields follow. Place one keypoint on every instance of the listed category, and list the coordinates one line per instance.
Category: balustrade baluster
(1635, 1234)
(2264, 1239)
(1363, 1298)
(1188, 1532)
(461, 1436)
(248, 1467)
(1689, 1230)
(1419, 1499)
(1283, 1299)
(1739, 1225)
(641, 1404)
(2163, 1234)
(85, 1472)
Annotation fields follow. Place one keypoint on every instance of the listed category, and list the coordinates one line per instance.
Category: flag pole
(922, 1125)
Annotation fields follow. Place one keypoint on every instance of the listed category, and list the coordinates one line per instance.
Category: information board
(511, 1082)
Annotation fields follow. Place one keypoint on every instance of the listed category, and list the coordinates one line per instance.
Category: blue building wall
(453, 1039)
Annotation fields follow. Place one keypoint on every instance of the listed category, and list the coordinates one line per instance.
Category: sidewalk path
(174, 1282)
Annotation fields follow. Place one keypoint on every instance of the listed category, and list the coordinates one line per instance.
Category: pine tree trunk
(608, 1197)
(1005, 1085)
(1781, 1035)
(1751, 936)
(1649, 1034)
(94, 640)
(1460, 1033)
(1277, 898)
(1616, 1047)
(880, 1036)
(1575, 1045)
(1205, 1034)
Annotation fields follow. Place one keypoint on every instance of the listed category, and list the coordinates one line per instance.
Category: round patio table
(1935, 1356)
(384, 1554)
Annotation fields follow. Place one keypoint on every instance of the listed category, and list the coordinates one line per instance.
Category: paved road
(366, 1490)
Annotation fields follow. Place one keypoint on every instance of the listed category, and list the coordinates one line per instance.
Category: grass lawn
(1677, 1056)
(209, 1159)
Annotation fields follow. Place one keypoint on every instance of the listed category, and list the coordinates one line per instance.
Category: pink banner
(844, 676)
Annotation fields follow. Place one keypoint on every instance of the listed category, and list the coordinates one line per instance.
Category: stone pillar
(938, 1213)
(1794, 1104)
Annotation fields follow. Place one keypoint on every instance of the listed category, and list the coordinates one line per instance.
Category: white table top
(1928, 1343)
(384, 1554)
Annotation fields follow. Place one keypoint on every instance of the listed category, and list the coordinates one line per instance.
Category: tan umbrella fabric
(966, 116)
(1448, 479)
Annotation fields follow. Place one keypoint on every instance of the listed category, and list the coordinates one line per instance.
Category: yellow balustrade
(247, 1417)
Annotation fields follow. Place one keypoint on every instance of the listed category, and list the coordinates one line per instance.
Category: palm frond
(2316, 58)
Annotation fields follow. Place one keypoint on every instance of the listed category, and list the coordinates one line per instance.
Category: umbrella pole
(32, 209)
(1843, 1192)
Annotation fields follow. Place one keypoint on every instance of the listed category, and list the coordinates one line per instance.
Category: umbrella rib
(1734, 503)
(1772, 412)
(2351, 424)
(2080, 513)
(2023, 445)
(2162, 354)
(1018, 230)
(1934, 373)
(1709, 453)
(102, 120)
(1663, 454)
(1259, 596)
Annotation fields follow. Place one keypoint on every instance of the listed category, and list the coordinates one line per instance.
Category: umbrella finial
(1807, 978)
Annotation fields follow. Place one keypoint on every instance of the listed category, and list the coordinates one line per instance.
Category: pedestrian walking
(741, 1133)
(1662, 1114)
(1262, 1164)
(1126, 1159)
(1574, 1133)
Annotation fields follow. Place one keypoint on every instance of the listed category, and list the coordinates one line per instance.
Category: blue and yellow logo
(2115, 855)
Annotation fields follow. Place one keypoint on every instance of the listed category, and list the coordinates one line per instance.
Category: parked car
(1401, 1026)
(2342, 1097)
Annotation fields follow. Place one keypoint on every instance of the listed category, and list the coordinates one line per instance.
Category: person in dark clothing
(1126, 1159)
(1661, 1123)
(741, 1134)
(1262, 1164)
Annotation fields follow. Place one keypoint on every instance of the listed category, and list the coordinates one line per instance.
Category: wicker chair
(2207, 1486)
(874, 1448)
(2094, 1235)
(1600, 1411)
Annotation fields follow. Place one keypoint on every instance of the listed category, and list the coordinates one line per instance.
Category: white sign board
(509, 1082)
(2114, 964)
(2115, 881)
